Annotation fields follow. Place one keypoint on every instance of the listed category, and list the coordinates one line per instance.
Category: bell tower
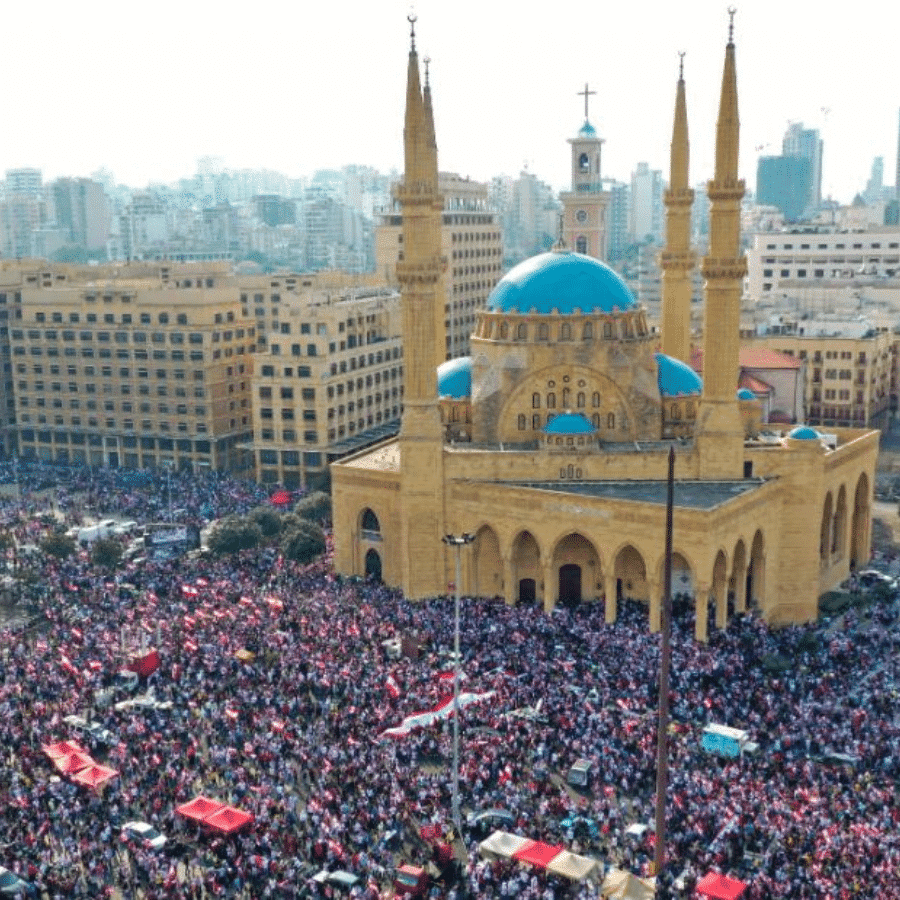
(586, 205)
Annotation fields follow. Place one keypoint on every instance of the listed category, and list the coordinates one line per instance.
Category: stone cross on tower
(585, 93)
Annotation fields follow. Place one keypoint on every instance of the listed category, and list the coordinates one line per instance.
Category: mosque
(548, 447)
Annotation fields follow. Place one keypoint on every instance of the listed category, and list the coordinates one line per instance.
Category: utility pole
(665, 663)
(457, 541)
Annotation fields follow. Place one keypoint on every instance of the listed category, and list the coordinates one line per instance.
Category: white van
(91, 533)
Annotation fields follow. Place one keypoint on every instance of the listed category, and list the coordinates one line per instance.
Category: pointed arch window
(584, 162)
(588, 331)
(535, 401)
(607, 329)
(551, 400)
(535, 422)
(595, 399)
(522, 422)
(522, 331)
(543, 332)
(595, 420)
(611, 421)
(581, 245)
(504, 330)
(565, 332)
(580, 400)
(566, 398)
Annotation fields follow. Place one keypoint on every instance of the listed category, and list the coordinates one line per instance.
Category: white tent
(502, 844)
(622, 885)
(572, 866)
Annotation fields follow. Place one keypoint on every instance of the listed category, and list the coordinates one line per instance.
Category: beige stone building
(850, 367)
(472, 241)
(548, 444)
(140, 366)
(329, 371)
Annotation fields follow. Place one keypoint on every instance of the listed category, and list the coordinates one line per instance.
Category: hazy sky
(147, 89)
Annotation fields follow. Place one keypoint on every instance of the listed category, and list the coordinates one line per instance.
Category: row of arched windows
(580, 400)
(622, 328)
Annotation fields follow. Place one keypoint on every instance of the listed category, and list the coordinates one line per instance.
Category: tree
(59, 545)
(268, 520)
(315, 507)
(304, 543)
(106, 553)
(233, 534)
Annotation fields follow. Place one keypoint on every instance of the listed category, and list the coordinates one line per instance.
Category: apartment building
(328, 377)
(819, 256)
(146, 366)
(472, 241)
(850, 367)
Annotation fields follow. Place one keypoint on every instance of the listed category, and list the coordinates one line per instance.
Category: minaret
(677, 261)
(719, 435)
(419, 274)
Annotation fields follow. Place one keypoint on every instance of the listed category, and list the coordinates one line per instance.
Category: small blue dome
(562, 281)
(454, 378)
(677, 379)
(746, 394)
(804, 433)
(587, 130)
(569, 423)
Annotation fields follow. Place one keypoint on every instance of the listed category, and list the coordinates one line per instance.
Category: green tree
(315, 507)
(59, 545)
(233, 534)
(106, 553)
(304, 543)
(268, 520)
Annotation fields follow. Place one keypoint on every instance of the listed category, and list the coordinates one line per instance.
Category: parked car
(144, 834)
(579, 775)
(13, 886)
(870, 578)
(91, 731)
(340, 880)
(483, 822)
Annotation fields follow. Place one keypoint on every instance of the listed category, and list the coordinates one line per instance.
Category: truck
(91, 533)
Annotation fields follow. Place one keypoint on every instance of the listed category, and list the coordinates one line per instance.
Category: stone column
(655, 588)
(549, 586)
(740, 588)
(609, 583)
(509, 585)
(701, 611)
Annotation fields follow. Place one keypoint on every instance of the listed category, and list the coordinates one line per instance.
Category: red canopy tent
(72, 762)
(94, 775)
(228, 819)
(537, 853)
(199, 808)
(720, 887)
(62, 748)
(145, 664)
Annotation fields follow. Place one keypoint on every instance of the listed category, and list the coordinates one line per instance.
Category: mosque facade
(548, 446)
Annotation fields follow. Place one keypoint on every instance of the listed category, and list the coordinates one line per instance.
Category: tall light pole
(457, 541)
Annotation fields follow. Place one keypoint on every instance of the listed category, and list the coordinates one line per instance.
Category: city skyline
(147, 99)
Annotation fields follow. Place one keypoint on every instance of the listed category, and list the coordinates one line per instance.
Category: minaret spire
(678, 260)
(419, 273)
(719, 428)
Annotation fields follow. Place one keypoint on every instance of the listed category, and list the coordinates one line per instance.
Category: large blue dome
(563, 281)
(677, 379)
(454, 378)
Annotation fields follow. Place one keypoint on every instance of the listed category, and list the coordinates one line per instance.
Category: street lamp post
(457, 541)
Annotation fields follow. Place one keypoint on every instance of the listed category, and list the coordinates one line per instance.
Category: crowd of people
(292, 730)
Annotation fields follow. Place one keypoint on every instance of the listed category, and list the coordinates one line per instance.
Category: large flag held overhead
(442, 711)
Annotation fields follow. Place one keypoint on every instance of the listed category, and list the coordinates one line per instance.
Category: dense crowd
(295, 734)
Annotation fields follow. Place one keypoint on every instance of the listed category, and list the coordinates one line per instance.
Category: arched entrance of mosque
(370, 526)
(631, 578)
(577, 568)
(859, 536)
(737, 584)
(526, 566)
(682, 587)
(839, 531)
(825, 532)
(756, 574)
(373, 565)
(527, 592)
(569, 584)
(488, 566)
(717, 611)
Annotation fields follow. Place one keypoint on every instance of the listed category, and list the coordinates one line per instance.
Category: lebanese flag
(392, 687)
(442, 711)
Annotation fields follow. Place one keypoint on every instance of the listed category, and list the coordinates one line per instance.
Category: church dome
(587, 130)
(569, 423)
(677, 379)
(561, 281)
(454, 378)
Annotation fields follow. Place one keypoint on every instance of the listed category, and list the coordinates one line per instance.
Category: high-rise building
(784, 182)
(806, 143)
(27, 181)
(472, 241)
(646, 211)
(80, 206)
